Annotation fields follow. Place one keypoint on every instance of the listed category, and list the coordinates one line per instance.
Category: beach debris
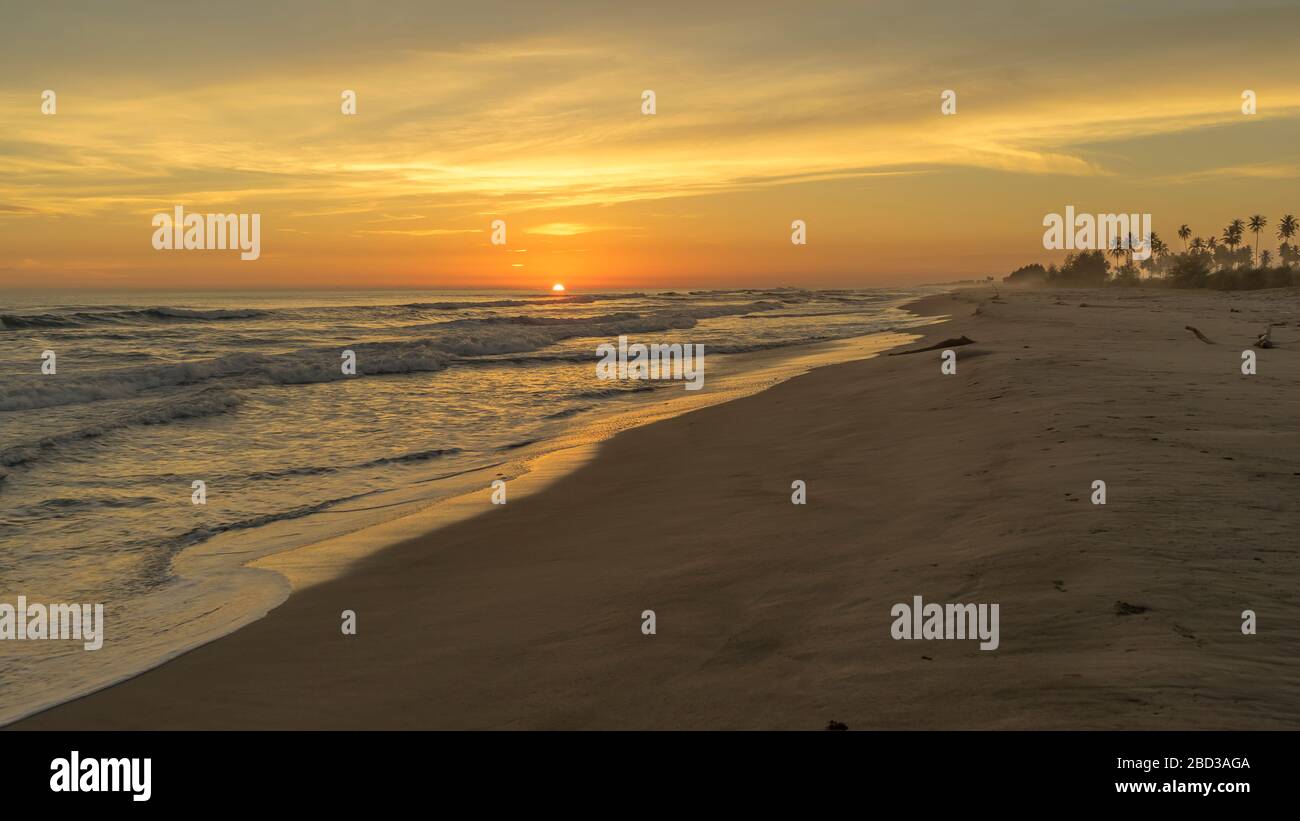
(836, 725)
(1199, 335)
(1123, 608)
(1264, 340)
(947, 343)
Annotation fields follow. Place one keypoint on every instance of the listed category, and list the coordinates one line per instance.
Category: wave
(320, 470)
(207, 402)
(800, 316)
(78, 319)
(523, 443)
(407, 458)
(456, 340)
(189, 313)
(565, 414)
(205, 532)
(67, 506)
(94, 317)
(88, 317)
(606, 393)
(301, 367)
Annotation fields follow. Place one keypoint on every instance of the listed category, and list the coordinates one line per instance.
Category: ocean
(246, 393)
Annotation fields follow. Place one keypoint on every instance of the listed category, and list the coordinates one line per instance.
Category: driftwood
(947, 343)
(1264, 341)
(1200, 335)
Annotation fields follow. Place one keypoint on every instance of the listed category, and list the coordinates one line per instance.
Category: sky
(531, 113)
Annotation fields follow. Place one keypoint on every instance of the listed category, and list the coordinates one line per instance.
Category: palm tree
(1265, 258)
(1232, 238)
(1117, 250)
(1257, 224)
(1158, 246)
(1160, 250)
(1231, 234)
(1287, 228)
(1183, 233)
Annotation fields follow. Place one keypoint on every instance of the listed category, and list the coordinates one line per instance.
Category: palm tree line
(1228, 250)
(1226, 260)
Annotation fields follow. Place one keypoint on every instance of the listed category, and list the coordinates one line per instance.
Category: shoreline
(776, 615)
(285, 571)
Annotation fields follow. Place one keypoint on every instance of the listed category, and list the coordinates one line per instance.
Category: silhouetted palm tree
(1257, 224)
(1232, 238)
(1117, 251)
(1265, 258)
(1232, 234)
(1130, 242)
(1287, 227)
(1183, 233)
(1198, 245)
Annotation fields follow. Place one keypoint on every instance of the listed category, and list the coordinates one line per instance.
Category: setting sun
(557, 287)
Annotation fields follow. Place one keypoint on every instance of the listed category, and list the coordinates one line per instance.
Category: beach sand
(971, 487)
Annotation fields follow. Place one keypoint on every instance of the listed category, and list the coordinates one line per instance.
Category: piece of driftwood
(1264, 340)
(947, 343)
(1199, 335)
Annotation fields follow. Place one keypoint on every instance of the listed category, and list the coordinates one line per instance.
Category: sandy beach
(972, 487)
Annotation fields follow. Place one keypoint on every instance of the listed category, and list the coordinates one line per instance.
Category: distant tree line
(1225, 262)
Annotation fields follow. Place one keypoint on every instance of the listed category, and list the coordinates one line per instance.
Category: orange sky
(531, 113)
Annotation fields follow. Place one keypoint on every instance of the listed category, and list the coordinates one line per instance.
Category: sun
(557, 287)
